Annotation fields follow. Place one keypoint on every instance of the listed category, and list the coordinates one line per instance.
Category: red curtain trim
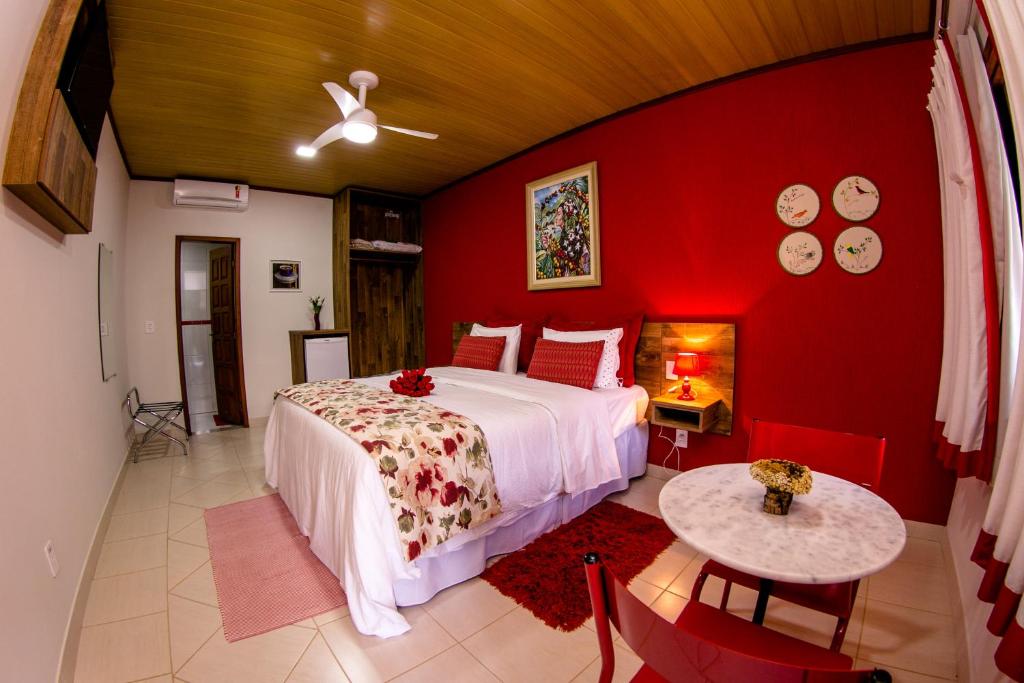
(983, 549)
(966, 463)
(1010, 653)
(1004, 611)
(992, 581)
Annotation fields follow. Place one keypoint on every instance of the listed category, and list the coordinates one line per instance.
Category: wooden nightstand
(698, 415)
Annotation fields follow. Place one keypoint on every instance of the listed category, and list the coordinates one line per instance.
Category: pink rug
(266, 575)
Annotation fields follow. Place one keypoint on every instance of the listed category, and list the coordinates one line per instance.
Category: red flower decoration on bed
(412, 383)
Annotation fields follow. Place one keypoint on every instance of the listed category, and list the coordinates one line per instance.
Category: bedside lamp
(687, 365)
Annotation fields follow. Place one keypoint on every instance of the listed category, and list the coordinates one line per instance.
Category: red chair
(706, 644)
(847, 456)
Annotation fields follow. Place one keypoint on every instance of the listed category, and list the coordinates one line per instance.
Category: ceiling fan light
(305, 151)
(359, 131)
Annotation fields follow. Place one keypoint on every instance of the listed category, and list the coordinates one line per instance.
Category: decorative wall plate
(858, 250)
(798, 205)
(800, 253)
(856, 198)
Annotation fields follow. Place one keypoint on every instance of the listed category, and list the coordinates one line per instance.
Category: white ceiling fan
(358, 123)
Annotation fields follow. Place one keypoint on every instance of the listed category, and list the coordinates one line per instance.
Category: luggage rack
(164, 412)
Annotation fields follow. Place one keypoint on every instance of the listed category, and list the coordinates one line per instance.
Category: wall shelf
(698, 415)
(356, 254)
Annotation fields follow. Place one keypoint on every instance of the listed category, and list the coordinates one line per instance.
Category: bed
(556, 450)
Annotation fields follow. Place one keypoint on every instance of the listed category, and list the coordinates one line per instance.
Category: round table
(838, 532)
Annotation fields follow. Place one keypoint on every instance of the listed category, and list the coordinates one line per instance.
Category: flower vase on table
(317, 302)
(782, 480)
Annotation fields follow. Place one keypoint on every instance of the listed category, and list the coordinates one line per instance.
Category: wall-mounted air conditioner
(211, 195)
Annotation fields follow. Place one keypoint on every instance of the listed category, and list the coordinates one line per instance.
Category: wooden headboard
(659, 342)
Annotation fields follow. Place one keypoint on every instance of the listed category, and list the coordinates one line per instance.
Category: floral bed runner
(434, 463)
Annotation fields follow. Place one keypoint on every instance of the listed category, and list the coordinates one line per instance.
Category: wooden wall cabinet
(378, 296)
(48, 165)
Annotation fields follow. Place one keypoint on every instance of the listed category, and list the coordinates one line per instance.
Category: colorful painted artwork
(858, 250)
(856, 198)
(562, 230)
(798, 205)
(800, 253)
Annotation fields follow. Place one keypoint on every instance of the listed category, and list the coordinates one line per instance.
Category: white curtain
(1003, 213)
(1000, 548)
(963, 384)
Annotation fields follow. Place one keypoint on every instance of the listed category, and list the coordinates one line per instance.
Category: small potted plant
(782, 479)
(317, 302)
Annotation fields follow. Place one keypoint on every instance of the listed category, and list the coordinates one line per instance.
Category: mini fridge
(327, 358)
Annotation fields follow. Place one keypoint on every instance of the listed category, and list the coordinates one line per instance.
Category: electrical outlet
(149, 326)
(104, 332)
(51, 559)
(681, 437)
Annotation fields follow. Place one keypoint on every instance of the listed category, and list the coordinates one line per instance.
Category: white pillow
(609, 364)
(510, 356)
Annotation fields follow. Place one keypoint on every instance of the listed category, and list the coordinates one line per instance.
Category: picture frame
(799, 253)
(856, 198)
(286, 275)
(858, 250)
(798, 205)
(563, 242)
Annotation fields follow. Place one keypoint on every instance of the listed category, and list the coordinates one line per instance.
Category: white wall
(60, 423)
(276, 226)
(966, 514)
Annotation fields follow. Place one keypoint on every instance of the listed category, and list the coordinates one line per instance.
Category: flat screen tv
(87, 73)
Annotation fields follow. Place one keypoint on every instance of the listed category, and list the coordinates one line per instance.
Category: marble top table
(838, 532)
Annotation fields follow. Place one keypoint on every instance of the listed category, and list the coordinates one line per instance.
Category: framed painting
(285, 276)
(562, 230)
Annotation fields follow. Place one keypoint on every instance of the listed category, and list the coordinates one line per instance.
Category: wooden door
(224, 323)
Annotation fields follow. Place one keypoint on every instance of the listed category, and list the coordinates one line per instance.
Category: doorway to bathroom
(208, 304)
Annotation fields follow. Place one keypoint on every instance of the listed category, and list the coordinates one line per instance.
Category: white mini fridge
(327, 358)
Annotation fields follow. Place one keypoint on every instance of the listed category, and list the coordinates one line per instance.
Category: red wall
(688, 231)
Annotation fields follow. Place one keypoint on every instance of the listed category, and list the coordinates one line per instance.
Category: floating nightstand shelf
(698, 415)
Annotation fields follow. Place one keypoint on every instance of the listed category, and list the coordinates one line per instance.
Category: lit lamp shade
(687, 365)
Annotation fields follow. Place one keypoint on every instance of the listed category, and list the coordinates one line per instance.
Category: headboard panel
(659, 342)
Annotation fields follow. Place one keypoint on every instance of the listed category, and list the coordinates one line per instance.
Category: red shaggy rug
(547, 576)
(266, 575)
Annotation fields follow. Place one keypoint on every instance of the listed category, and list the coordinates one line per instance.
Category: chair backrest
(852, 457)
(680, 655)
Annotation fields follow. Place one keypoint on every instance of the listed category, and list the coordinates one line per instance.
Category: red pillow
(631, 327)
(532, 331)
(482, 353)
(566, 362)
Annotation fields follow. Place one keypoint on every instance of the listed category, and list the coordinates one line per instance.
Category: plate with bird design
(856, 198)
(798, 205)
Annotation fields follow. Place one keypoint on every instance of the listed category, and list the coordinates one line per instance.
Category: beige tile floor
(152, 610)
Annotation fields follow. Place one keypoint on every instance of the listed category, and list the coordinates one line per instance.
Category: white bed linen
(335, 493)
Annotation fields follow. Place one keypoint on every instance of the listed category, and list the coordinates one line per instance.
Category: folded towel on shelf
(397, 246)
(360, 244)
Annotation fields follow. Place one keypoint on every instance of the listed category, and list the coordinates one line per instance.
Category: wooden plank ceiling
(228, 89)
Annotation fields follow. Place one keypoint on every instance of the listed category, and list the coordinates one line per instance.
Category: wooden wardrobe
(378, 295)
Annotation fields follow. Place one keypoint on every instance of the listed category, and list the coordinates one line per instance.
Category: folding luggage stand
(165, 414)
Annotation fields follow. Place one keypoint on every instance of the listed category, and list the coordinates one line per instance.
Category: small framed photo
(285, 276)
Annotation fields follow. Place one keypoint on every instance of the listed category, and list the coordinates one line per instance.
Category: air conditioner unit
(211, 195)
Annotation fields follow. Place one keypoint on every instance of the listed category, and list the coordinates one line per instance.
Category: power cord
(674, 451)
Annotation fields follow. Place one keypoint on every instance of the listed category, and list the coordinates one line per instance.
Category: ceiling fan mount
(361, 79)
(358, 124)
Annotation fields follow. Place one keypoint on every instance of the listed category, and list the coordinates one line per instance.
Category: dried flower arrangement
(783, 479)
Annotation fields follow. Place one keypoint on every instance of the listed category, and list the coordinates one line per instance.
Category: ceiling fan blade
(417, 133)
(346, 102)
(328, 136)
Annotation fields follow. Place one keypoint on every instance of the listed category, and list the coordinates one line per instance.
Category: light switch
(669, 365)
(149, 326)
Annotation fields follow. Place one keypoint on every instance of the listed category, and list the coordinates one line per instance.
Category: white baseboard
(73, 633)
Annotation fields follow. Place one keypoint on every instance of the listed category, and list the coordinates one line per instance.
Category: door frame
(236, 244)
